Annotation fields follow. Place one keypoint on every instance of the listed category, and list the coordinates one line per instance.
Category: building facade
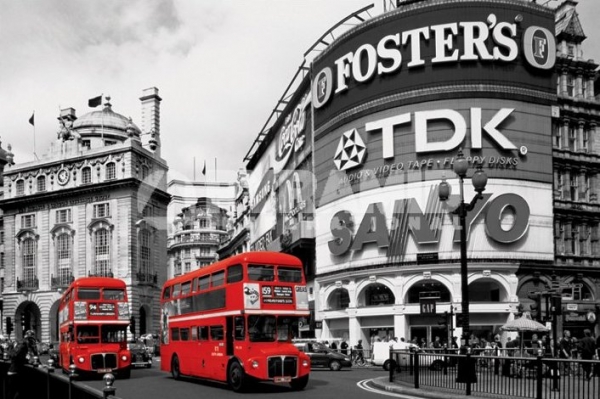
(95, 204)
(392, 101)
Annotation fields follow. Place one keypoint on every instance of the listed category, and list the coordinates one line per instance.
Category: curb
(383, 383)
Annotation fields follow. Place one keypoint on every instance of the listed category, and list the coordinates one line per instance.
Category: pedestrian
(587, 348)
(333, 346)
(550, 352)
(565, 347)
(344, 347)
(20, 356)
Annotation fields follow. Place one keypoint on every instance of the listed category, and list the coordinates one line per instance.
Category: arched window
(339, 299)
(486, 291)
(378, 294)
(428, 288)
(110, 171)
(86, 175)
(28, 258)
(41, 183)
(145, 269)
(102, 252)
(20, 187)
(63, 258)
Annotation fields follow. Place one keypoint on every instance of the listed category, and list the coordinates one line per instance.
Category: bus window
(184, 334)
(289, 275)
(175, 334)
(87, 334)
(203, 283)
(186, 288)
(261, 328)
(167, 293)
(194, 333)
(239, 332)
(234, 273)
(88, 293)
(260, 273)
(216, 333)
(114, 295)
(176, 290)
(287, 328)
(217, 279)
(113, 334)
(203, 333)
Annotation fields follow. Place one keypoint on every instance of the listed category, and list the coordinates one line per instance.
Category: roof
(567, 23)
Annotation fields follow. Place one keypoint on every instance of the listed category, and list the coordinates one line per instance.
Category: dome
(106, 119)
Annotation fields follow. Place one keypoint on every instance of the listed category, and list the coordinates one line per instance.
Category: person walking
(344, 347)
(565, 346)
(587, 348)
(550, 352)
(24, 351)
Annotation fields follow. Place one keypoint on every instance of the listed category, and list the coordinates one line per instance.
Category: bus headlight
(124, 358)
(305, 363)
(81, 359)
(255, 364)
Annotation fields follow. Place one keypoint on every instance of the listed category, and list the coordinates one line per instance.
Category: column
(565, 133)
(578, 92)
(563, 82)
(400, 326)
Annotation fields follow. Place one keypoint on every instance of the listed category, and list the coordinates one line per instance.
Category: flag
(94, 102)
(204, 169)
(32, 119)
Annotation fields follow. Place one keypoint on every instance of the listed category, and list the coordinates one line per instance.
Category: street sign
(427, 305)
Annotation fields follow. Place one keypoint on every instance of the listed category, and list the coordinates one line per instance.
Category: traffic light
(23, 320)
(443, 322)
(9, 326)
(556, 305)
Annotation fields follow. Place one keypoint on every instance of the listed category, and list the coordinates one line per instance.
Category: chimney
(151, 120)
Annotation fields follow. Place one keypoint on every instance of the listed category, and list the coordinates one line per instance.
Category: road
(154, 383)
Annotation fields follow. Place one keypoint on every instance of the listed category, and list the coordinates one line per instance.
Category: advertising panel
(436, 48)
(287, 148)
(510, 139)
(513, 221)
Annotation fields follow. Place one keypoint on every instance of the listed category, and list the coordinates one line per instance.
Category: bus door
(229, 331)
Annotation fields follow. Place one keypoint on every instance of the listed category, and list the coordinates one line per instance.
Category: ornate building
(95, 204)
(238, 234)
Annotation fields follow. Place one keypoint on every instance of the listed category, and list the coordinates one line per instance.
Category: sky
(220, 67)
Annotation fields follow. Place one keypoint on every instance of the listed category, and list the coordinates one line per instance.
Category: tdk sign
(456, 42)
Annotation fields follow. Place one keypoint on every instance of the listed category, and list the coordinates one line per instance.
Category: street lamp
(479, 180)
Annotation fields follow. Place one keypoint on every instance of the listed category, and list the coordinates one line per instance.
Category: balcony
(31, 284)
(61, 282)
(101, 274)
(146, 278)
(195, 239)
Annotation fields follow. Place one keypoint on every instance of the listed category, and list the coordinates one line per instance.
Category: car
(321, 356)
(140, 356)
(381, 356)
(53, 352)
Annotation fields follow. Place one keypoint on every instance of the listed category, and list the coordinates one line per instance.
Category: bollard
(72, 376)
(109, 389)
(49, 369)
(36, 361)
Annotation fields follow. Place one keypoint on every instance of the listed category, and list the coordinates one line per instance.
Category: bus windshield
(271, 328)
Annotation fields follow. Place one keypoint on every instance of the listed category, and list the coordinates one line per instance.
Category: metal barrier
(46, 382)
(532, 377)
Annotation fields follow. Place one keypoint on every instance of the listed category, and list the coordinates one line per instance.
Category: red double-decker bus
(93, 318)
(233, 321)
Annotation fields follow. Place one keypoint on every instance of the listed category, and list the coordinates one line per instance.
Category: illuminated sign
(424, 226)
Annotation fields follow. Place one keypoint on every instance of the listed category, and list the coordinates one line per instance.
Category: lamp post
(479, 179)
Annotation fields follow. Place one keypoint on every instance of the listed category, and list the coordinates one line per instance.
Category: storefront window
(424, 286)
(377, 294)
(339, 299)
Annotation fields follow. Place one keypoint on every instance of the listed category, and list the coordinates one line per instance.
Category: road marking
(364, 386)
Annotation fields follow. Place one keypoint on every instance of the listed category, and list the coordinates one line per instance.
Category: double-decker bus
(93, 318)
(234, 321)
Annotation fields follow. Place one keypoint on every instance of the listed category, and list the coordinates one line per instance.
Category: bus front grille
(283, 366)
(104, 361)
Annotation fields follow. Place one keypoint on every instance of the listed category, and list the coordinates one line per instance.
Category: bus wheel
(299, 383)
(236, 377)
(175, 372)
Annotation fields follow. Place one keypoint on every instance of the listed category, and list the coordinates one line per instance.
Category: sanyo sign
(455, 42)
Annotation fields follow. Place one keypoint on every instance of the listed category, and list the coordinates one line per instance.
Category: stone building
(95, 204)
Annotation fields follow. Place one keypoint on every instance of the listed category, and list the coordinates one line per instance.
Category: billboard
(436, 49)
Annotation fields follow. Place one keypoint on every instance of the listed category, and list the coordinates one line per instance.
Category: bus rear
(234, 321)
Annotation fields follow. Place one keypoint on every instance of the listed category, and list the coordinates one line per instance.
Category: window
(239, 328)
(194, 333)
(28, 221)
(184, 334)
(63, 216)
(573, 177)
(572, 137)
(86, 144)
(188, 267)
(585, 140)
(113, 294)
(177, 268)
(575, 247)
(261, 273)
(557, 135)
(167, 293)
(175, 334)
(217, 279)
(216, 333)
(203, 283)
(570, 86)
(289, 275)
(86, 175)
(41, 183)
(148, 211)
(29, 259)
(176, 290)
(234, 273)
(145, 172)
(109, 142)
(63, 258)
(20, 187)
(110, 171)
(203, 223)
(186, 288)
(102, 252)
(102, 210)
(88, 293)
(145, 252)
(203, 333)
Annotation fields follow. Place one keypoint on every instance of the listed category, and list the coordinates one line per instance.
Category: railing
(108, 273)
(479, 374)
(147, 278)
(30, 284)
(61, 281)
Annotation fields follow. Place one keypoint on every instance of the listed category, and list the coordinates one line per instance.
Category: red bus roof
(258, 257)
(103, 282)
